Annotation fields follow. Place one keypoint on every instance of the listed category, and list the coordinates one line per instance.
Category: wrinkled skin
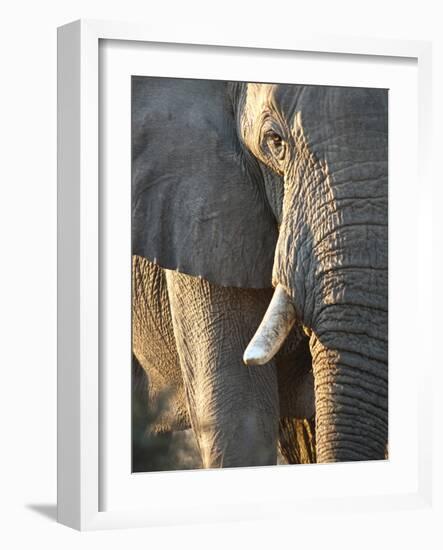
(329, 145)
(224, 176)
(189, 336)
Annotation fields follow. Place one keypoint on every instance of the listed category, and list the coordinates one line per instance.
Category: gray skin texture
(189, 336)
(198, 206)
(238, 187)
(330, 146)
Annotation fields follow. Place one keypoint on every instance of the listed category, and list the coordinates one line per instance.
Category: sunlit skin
(239, 189)
(331, 257)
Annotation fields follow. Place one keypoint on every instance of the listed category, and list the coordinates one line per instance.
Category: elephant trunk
(337, 282)
(348, 313)
(347, 310)
(351, 389)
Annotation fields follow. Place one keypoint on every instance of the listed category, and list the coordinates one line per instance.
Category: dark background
(153, 452)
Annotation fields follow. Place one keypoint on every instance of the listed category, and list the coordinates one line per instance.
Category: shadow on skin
(48, 511)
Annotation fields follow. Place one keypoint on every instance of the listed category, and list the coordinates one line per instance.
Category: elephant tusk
(273, 330)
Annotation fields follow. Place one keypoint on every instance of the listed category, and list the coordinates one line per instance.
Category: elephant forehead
(258, 95)
(257, 100)
(342, 125)
(331, 107)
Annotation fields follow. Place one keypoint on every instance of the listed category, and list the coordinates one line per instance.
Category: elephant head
(255, 185)
(329, 147)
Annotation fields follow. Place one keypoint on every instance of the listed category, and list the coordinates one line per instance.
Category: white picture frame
(80, 412)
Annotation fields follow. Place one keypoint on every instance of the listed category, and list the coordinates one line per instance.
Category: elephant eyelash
(275, 144)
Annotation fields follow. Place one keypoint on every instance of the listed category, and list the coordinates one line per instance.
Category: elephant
(260, 265)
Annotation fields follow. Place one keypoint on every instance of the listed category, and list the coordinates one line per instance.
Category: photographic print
(259, 274)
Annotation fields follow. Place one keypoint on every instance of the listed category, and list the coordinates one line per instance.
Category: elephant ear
(196, 205)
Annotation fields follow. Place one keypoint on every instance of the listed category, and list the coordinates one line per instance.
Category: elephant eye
(275, 144)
